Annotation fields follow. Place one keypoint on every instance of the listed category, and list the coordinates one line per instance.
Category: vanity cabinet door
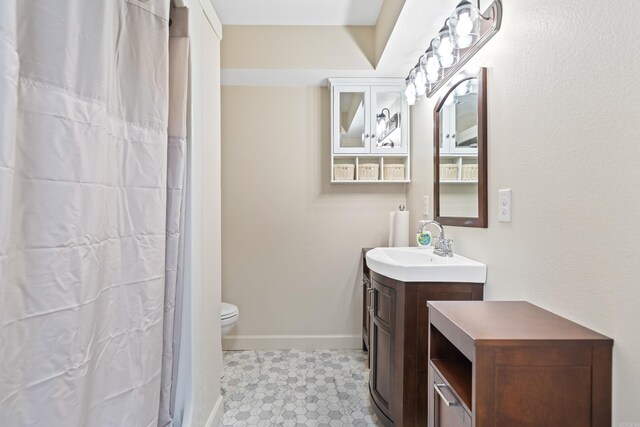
(382, 344)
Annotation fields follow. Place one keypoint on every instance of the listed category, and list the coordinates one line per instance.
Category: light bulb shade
(420, 80)
(381, 123)
(464, 25)
(432, 67)
(444, 49)
(462, 89)
(410, 88)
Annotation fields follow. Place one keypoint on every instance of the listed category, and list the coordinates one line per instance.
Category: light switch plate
(425, 206)
(504, 205)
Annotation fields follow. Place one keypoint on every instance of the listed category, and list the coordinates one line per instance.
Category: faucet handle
(448, 247)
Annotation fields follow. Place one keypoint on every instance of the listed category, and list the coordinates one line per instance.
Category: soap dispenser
(423, 235)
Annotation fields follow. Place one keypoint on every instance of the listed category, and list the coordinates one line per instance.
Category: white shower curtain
(177, 160)
(83, 205)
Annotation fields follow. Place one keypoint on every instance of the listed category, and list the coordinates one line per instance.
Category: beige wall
(298, 47)
(563, 109)
(291, 240)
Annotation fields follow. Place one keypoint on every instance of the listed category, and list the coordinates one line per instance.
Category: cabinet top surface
(492, 321)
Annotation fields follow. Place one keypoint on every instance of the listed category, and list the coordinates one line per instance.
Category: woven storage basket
(368, 171)
(394, 172)
(448, 172)
(343, 172)
(470, 172)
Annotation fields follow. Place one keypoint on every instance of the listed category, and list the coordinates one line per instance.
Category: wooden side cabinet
(503, 363)
(399, 342)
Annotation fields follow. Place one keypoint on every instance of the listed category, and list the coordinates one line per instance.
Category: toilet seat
(228, 314)
(228, 311)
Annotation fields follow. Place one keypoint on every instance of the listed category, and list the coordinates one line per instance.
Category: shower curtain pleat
(83, 211)
(176, 158)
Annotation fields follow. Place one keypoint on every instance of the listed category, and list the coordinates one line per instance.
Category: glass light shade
(444, 49)
(463, 88)
(420, 80)
(410, 88)
(381, 123)
(464, 25)
(432, 67)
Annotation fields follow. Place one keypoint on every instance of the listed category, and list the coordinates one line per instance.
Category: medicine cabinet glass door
(353, 119)
(389, 123)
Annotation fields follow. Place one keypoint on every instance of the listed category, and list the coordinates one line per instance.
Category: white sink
(421, 265)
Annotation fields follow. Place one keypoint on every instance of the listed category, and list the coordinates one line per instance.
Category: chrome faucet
(442, 246)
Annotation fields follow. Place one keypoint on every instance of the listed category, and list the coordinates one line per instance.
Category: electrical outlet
(504, 205)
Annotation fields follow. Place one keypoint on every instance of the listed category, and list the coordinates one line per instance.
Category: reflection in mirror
(388, 105)
(352, 119)
(460, 186)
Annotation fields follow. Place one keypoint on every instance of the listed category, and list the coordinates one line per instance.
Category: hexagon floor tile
(297, 388)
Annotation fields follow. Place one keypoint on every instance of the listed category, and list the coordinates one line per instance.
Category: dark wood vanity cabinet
(366, 300)
(399, 343)
(501, 363)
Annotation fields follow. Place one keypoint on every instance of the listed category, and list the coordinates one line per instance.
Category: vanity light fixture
(385, 124)
(410, 92)
(461, 37)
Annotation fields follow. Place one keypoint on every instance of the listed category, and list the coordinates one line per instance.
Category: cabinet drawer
(446, 411)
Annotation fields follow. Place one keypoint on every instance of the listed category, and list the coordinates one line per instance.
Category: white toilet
(229, 315)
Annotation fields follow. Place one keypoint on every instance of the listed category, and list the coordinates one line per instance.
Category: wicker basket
(343, 172)
(448, 172)
(470, 172)
(368, 171)
(394, 172)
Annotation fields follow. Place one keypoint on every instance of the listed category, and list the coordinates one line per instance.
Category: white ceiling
(298, 12)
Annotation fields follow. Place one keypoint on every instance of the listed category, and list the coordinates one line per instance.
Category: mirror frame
(482, 220)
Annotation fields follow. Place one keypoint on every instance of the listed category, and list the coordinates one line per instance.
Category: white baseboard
(215, 418)
(284, 342)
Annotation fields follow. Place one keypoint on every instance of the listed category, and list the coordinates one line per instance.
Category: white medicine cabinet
(459, 131)
(369, 130)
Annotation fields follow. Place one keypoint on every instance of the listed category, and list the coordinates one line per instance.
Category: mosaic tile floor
(297, 388)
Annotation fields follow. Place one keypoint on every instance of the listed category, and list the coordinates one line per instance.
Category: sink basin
(421, 265)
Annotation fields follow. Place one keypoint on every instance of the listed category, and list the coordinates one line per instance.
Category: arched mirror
(460, 152)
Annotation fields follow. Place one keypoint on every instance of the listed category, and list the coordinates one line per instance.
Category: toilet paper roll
(399, 230)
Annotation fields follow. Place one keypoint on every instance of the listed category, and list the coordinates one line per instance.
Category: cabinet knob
(447, 135)
(366, 135)
(373, 135)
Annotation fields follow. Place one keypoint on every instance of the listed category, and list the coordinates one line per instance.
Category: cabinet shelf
(458, 154)
(455, 181)
(378, 181)
(375, 155)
